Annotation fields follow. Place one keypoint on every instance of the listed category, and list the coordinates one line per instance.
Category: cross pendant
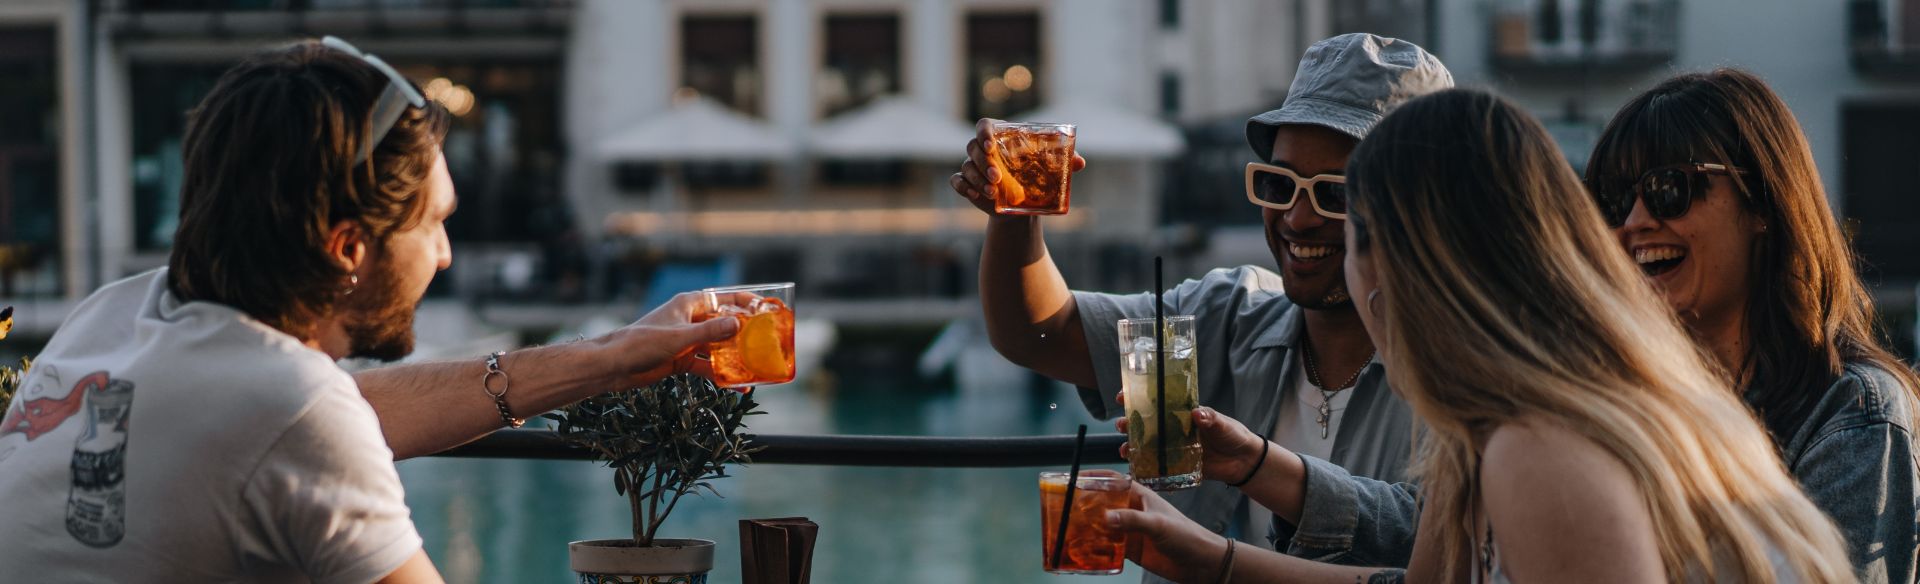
(1326, 417)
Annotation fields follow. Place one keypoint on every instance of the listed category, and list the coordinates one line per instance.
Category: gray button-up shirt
(1246, 331)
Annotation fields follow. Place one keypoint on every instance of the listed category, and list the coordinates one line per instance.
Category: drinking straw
(1160, 360)
(1066, 507)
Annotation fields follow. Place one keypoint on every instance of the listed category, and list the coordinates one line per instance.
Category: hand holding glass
(762, 352)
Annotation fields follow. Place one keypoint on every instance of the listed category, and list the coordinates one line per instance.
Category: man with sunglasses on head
(189, 424)
(1285, 352)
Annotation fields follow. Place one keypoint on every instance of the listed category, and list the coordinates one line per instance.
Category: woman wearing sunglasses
(1575, 433)
(1709, 184)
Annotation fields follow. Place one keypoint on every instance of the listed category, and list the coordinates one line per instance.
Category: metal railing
(841, 450)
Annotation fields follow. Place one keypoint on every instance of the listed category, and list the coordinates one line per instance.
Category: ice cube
(1182, 347)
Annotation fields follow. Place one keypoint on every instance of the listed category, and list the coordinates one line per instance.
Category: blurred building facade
(601, 145)
(606, 150)
(1849, 69)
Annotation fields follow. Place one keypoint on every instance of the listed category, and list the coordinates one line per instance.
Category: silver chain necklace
(1325, 417)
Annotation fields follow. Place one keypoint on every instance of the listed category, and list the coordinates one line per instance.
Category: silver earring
(353, 281)
(1371, 298)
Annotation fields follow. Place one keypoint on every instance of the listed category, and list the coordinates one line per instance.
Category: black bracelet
(1264, 445)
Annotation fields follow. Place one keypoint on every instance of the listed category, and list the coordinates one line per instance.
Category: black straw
(1066, 506)
(1160, 359)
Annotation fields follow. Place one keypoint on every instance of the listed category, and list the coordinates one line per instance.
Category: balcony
(1582, 36)
(1885, 37)
(397, 18)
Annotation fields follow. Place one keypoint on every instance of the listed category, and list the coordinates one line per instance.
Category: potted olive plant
(662, 442)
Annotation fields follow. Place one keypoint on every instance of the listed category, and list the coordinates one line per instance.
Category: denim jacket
(1853, 455)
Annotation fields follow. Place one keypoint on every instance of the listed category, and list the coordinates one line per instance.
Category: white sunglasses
(394, 101)
(1277, 187)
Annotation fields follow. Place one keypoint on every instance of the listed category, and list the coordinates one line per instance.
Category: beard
(1337, 297)
(377, 320)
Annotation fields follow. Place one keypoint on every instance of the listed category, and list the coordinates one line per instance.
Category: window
(29, 163)
(1549, 21)
(503, 147)
(719, 58)
(1003, 64)
(862, 61)
(1878, 175)
(166, 91)
(1169, 94)
(1169, 14)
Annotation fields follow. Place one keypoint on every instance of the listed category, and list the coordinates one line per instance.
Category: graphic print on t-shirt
(35, 411)
(96, 500)
(97, 504)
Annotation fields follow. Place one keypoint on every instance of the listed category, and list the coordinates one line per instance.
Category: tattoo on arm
(1387, 576)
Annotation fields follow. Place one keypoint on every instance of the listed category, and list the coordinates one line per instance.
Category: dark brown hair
(269, 169)
(1808, 314)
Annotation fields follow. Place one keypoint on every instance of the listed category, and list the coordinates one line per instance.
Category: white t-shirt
(156, 441)
(1298, 429)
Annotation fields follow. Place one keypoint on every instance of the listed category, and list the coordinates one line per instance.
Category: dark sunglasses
(1668, 190)
(1276, 187)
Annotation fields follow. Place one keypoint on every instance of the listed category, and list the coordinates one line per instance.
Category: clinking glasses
(1276, 187)
(1667, 190)
(394, 100)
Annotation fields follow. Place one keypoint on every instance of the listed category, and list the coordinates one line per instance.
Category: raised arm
(1030, 314)
(429, 407)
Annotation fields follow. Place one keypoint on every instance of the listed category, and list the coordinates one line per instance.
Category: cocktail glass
(1035, 167)
(1166, 448)
(762, 352)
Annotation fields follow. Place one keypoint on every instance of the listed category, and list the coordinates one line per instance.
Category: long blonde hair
(1504, 296)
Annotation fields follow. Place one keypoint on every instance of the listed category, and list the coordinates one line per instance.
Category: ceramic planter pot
(621, 561)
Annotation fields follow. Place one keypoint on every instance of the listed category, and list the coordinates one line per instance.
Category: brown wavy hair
(1808, 314)
(1506, 300)
(269, 169)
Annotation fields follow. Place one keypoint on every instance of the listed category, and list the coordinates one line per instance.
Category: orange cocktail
(1035, 162)
(1092, 546)
(762, 352)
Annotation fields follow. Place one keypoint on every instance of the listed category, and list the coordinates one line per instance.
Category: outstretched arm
(429, 407)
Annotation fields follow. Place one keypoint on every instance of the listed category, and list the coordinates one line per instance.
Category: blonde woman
(1575, 433)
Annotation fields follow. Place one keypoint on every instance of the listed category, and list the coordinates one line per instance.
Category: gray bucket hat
(1347, 83)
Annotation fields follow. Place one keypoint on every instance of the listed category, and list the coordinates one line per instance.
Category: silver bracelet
(499, 399)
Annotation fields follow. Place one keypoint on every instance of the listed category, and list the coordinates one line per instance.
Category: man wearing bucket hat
(1291, 359)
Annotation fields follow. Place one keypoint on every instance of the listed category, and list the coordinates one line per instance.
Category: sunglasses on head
(395, 99)
(1276, 187)
(1668, 191)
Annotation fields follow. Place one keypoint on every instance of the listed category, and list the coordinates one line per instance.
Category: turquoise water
(487, 521)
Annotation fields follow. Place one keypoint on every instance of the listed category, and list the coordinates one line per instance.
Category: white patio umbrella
(698, 129)
(892, 127)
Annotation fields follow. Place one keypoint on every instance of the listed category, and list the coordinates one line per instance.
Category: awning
(892, 127)
(698, 129)
(1105, 130)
